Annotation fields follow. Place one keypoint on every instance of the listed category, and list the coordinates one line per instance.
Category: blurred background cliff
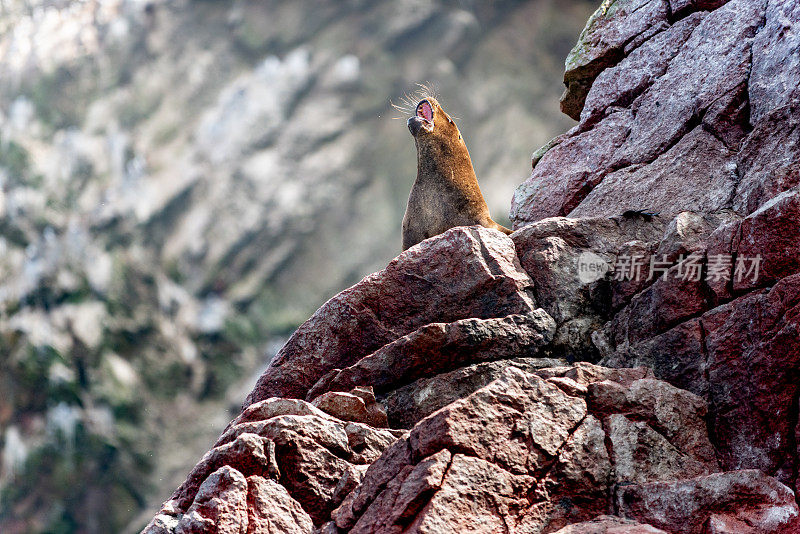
(182, 183)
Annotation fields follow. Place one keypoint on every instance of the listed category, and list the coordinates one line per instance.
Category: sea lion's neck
(442, 161)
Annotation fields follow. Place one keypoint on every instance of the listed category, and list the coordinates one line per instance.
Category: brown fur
(445, 193)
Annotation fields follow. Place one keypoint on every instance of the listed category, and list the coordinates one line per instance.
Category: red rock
(274, 407)
(516, 433)
(627, 281)
(602, 44)
(743, 358)
(405, 495)
(248, 453)
(662, 187)
(770, 237)
(377, 477)
(754, 378)
(438, 348)
(681, 7)
(463, 273)
(768, 161)
(654, 401)
(583, 468)
(220, 505)
(776, 63)
(557, 253)
(272, 509)
(550, 251)
(486, 425)
(313, 460)
(475, 495)
(714, 61)
(728, 117)
(586, 374)
(316, 474)
(569, 171)
(665, 304)
(642, 455)
(722, 243)
(689, 233)
(621, 84)
(408, 405)
(353, 407)
(751, 497)
(607, 524)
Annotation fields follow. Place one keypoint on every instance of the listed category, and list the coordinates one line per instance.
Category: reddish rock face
(606, 524)
(729, 71)
(535, 453)
(281, 457)
(768, 160)
(662, 187)
(603, 43)
(580, 162)
(741, 499)
(438, 348)
(468, 272)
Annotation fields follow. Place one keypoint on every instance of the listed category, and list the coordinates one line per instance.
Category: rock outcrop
(183, 182)
(626, 362)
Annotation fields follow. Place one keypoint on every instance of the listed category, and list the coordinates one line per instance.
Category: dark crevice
(413, 509)
(711, 416)
(612, 501)
(794, 429)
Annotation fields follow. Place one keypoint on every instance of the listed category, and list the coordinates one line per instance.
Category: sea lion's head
(431, 124)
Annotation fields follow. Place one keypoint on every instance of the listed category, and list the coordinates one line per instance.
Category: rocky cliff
(627, 361)
(183, 182)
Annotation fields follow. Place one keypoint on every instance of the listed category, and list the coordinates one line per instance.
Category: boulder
(296, 464)
(749, 500)
(531, 452)
(603, 43)
(464, 273)
(437, 348)
(358, 405)
(409, 404)
(606, 524)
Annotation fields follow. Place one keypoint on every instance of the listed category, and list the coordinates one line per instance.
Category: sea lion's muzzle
(415, 124)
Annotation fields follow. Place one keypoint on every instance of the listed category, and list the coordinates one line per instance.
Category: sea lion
(445, 193)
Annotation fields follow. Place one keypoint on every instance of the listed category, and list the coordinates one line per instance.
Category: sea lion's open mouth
(425, 112)
(423, 118)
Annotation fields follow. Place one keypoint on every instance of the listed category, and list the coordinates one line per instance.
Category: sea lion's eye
(424, 110)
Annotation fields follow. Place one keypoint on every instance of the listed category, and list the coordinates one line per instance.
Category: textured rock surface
(609, 525)
(297, 461)
(438, 348)
(467, 273)
(407, 405)
(749, 499)
(652, 110)
(536, 453)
